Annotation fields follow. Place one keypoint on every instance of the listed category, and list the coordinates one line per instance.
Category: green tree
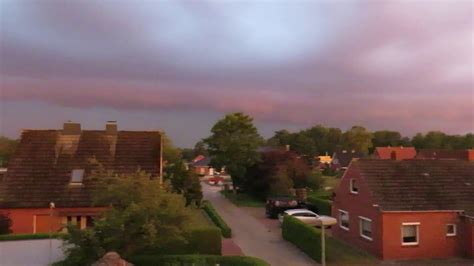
(386, 138)
(233, 145)
(200, 149)
(281, 183)
(171, 153)
(357, 138)
(7, 149)
(141, 217)
(281, 138)
(185, 181)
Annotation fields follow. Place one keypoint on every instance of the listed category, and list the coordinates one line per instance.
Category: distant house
(444, 154)
(409, 209)
(202, 165)
(342, 158)
(46, 187)
(395, 153)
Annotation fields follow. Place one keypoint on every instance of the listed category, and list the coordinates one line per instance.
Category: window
(77, 176)
(344, 219)
(354, 189)
(450, 230)
(365, 228)
(410, 234)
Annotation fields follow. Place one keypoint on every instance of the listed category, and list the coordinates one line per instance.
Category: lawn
(242, 199)
(339, 253)
(199, 219)
(330, 182)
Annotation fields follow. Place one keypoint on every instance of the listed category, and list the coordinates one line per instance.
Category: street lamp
(324, 221)
(51, 210)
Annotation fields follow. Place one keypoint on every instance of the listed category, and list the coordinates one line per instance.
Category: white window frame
(417, 224)
(455, 230)
(81, 172)
(340, 220)
(361, 218)
(351, 187)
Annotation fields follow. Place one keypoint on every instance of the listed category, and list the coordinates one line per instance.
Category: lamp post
(324, 221)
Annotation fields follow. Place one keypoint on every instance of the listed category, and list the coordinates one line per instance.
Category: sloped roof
(443, 154)
(205, 161)
(419, 185)
(344, 157)
(399, 153)
(40, 170)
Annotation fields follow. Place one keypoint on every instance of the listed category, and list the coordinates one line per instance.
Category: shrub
(323, 206)
(217, 220)
(305, 237)
(13, 237)
(206, 240)
(197, 260)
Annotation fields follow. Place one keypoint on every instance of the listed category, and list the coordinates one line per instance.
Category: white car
(304, 215)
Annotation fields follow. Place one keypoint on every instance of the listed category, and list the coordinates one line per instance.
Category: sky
(179, 66)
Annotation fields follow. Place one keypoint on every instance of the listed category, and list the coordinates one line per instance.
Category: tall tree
(358, 138)
(171, 153)
(7, 148)
(233, 145)
(200, 148)
(386, 138)
(185, 181)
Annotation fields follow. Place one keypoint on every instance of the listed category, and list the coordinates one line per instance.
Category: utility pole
(51, 210)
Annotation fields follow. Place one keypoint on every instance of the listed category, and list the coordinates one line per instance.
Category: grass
(199, 219)
(339, 253)
(242, 199)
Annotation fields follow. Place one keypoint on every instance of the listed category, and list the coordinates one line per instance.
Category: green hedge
(305, 237)
(324, 206)
(216, 219)
(11, 237)
(196, 260)
(205, 240)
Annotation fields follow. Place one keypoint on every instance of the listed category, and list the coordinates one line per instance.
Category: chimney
(111, 128)
(287, 147)
(393, 155)
(70, 128)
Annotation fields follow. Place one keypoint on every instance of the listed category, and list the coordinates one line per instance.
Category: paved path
(30, 252)
(254, 238)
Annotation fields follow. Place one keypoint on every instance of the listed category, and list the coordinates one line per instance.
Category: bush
(305, 237)
(13, 237)
(196, 260)
(216, 219)
(204, 241)
(324, 206)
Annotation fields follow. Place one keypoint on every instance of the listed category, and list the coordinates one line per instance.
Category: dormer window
(77, 175)
(353, 187)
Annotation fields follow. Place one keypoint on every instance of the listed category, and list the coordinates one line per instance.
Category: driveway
(40, 252)
(252, 236)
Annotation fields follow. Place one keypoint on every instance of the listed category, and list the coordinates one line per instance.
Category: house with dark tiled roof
(342, 158)
(46, 185)
(443, 154)
(394, 153)
(408, 209)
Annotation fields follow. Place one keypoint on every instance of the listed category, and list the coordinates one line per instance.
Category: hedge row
(12, 237)
(324, 206)
(195, 260)
(216, 219)
(305, 237)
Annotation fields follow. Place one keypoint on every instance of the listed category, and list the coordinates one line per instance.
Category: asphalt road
(252, 236)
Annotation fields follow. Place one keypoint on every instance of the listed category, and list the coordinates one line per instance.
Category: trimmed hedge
(196, 260)
(324, 206)
(206, 240)
(12, 237)
(305, 237)
(216, 219)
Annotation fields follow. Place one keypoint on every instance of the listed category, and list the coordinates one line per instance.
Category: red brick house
(409, 209)
(443, 154)
(50, 166)
(394, 153)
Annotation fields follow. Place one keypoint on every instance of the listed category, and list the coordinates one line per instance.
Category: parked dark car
(277, 205)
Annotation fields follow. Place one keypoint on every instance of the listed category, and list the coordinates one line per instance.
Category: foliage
(233, 145)
(5, 224)
(13, 237)
(217, 219)
(171, 154)
(323, 205)
(206, 240)
(277, 173)
(200, 149)
(185, 181)
(198, 260)
(440, 140)
(357, 138)
(141, 216)
(7, 149)
(308, 239)
(243, 199)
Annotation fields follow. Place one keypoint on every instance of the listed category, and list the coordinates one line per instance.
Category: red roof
(397, 153)
(467, 155)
